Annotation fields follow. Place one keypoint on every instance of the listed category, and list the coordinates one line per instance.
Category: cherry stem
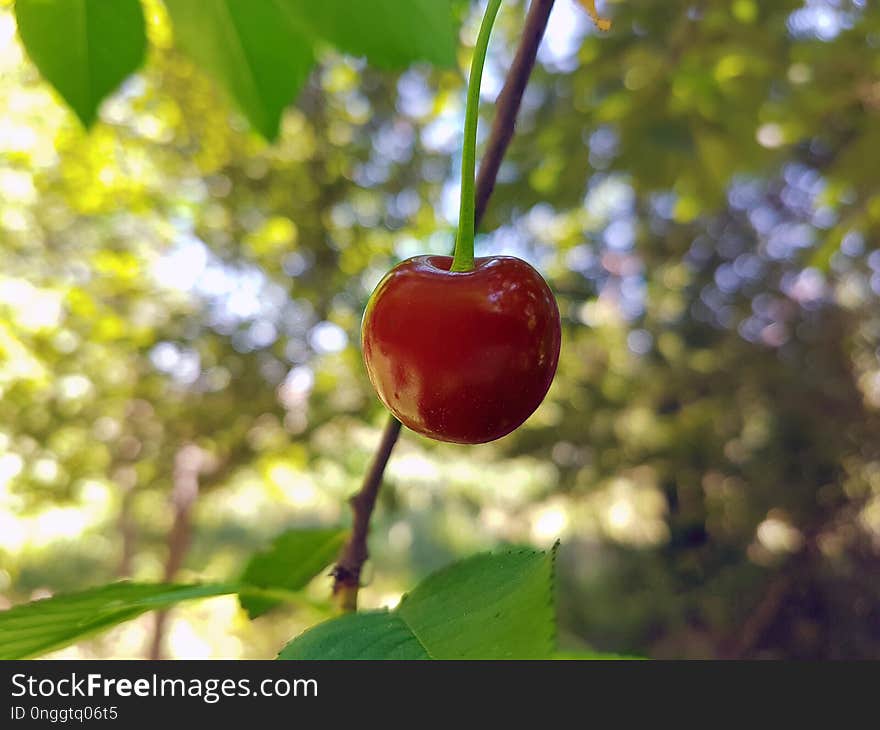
(463, 260)
(347, 573)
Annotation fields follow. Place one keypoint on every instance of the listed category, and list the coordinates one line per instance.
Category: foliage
(292, 560)
(38, 627)
(84, 47)
(693, 184)
(261, 53)
(486, 607)
(270, 578)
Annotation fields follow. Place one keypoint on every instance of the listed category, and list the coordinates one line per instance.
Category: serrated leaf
(390, 33)
(491, 606)
(292, 560)
(250, 48)
(84, 48)
(41, 626)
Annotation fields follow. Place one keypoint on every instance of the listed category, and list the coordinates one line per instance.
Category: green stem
(463, 260)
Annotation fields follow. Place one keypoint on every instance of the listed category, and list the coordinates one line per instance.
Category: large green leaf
(250, 48)
(84, 48)
(491, 606)
(41, 626)
(390, 33)
(293, 559)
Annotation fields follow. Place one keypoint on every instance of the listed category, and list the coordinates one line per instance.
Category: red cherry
(464, 356)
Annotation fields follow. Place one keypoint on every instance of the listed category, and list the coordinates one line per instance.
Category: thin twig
(126, 523)
(347, 573)
(189, 464)
(509, 101)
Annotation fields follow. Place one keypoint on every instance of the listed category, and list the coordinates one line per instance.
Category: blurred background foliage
(180, 306)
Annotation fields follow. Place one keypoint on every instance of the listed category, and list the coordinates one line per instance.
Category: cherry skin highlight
(466, 356)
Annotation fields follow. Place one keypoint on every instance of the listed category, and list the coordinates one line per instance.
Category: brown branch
(509, 101)
(127, 481)
(753, 628)
(347, 573)
(189, 464)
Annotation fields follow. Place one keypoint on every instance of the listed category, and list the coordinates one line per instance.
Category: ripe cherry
(460, 349)
(462, 356)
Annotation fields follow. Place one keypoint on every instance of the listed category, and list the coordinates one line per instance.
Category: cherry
(462, 356)
(460, 349)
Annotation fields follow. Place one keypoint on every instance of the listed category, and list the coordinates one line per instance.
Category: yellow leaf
(590, 7)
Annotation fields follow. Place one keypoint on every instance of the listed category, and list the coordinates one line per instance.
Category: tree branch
(189, 464)
(509, 100)
(347, 573)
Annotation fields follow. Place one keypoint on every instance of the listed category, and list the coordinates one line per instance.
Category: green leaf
(501, 606)
(593, 656)
(42, 626)
(84, 48)
(368, 635)
(293, 559)
(491, 606)
(249, 48)
(390, 33)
